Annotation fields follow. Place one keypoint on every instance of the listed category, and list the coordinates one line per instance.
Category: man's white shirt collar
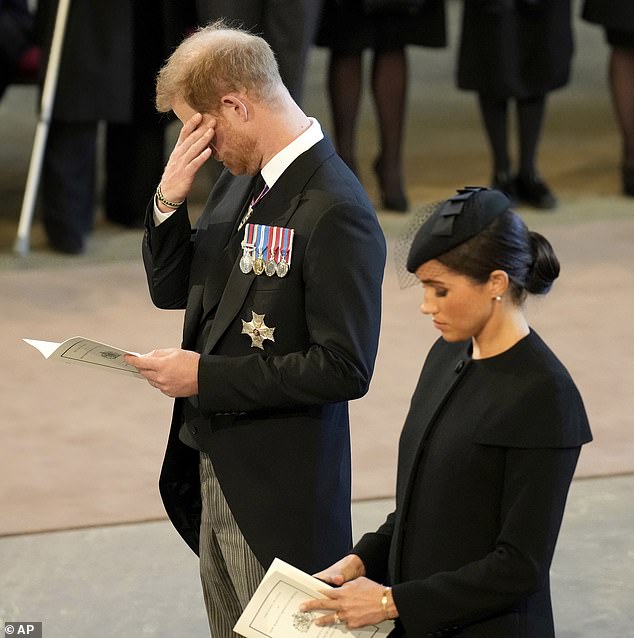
(274, 168)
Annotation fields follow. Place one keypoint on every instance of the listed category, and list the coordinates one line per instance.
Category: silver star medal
(257, 330)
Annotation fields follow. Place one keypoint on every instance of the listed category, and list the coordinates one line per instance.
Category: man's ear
(235, 106)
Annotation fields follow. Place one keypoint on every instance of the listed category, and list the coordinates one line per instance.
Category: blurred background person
(16, 35)
(617, 18)
(348, 28)
(110, 55)
(515, 50)
(287, 25)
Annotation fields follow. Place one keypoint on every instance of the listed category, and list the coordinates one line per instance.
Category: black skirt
(515, 48)
(612, 14)
(345, 27)
(617, 18)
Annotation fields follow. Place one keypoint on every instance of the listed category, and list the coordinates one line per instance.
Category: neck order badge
(253, 203)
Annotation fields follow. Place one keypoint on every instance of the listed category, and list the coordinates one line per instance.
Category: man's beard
(239, 155)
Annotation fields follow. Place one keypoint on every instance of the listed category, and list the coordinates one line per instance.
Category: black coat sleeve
(167, 252)
(374, 548)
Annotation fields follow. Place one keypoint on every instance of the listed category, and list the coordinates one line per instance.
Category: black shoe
(394, 201)
(503, 182)
(67, 245)
(628, 180)
(533, 191)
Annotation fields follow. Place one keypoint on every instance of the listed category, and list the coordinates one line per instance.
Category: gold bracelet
(384, 602)
(163, 200)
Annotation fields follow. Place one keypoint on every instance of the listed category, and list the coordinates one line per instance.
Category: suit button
(459, 367)
(194, 429)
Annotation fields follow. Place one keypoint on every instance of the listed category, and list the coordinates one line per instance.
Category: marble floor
(142, 580)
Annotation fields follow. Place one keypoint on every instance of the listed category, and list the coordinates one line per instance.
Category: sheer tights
(530, 117)
(621, 73)
(389, 92)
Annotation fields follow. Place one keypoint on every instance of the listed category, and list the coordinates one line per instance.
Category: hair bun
(545, 268)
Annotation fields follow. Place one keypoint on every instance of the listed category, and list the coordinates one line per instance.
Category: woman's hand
(348, 568)
(356, 603)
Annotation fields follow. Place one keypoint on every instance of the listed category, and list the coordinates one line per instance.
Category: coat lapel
(212, 263)
(439, 378)
(436, 384)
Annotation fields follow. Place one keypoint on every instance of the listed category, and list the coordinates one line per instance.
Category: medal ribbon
(248, 236)
(289, 233)
(262, 237)
(270, 245)
(251, 233)
(255, 200)
(284, 244)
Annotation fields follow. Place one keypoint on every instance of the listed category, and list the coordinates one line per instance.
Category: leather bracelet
(385, 601)
(165, 201)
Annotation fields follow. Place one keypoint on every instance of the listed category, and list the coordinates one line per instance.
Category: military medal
(258, 265)
(257, 330)
(282, 268)
(260, 237)
(271, 267)
(267, 249)
(286, 247)
(246, 261)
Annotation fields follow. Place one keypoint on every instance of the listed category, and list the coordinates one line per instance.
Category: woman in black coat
(617, 18)
(348, 28)
(488, 449)
(515, 50)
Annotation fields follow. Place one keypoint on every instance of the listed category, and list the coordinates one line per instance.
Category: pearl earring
(498, 298)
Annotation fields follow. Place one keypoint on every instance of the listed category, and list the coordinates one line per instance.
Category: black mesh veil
(403, 243)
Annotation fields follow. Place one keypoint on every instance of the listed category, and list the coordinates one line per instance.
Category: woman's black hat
(454, 221)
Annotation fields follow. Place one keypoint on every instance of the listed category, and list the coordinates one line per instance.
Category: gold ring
(337, 619)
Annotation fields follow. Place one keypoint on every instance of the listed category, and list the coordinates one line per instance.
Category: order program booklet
(273, 611)
(86, 352)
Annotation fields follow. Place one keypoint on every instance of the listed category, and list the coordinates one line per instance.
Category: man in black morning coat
(268, 361)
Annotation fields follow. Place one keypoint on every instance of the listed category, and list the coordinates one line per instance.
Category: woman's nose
(428, 307)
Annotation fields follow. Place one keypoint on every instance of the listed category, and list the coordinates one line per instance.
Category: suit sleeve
(167, 250)
(534, 495)
(342, 275)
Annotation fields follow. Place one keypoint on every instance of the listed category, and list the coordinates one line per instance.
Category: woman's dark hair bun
(545, 267)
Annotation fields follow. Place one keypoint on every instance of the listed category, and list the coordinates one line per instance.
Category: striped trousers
(229, 571)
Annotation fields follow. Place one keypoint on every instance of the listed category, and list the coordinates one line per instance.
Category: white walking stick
(21, 245)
